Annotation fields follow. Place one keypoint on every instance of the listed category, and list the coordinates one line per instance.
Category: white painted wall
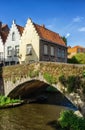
(1, 50)
(11, 43)
(29, 36)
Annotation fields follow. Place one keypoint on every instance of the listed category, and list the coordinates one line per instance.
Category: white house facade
(12, 44)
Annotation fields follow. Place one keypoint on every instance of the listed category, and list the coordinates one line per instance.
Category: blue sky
(66, 17)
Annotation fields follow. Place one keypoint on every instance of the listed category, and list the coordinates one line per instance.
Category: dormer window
(13, 36)
(29, 49)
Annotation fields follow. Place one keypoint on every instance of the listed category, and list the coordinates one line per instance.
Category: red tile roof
(4, 36)
(49, 35)
(20, 29)
(4, 32)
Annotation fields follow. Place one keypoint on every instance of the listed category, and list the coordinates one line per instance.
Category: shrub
(6, 100)
(83, 73)
(63, 79)
(71, 121)
(49, 78)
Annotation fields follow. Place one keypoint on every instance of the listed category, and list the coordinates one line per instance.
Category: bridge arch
(22, 73)
(27, 88)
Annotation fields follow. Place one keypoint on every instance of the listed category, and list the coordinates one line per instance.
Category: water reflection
(29, 117)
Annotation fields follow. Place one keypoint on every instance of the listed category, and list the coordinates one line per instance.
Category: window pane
(29, 49)
(45, 49)
(9, 51)
(17, 50)
(59, 52)
(52, 51)
(13, 36)
(63, 53)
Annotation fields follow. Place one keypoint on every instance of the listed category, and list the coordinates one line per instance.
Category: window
(1, 56)
(52, 51)
(29, 49)
(45, 49)
(59, 52)
(63, 53)
(13, 36)
(17, 50)
(9, 51)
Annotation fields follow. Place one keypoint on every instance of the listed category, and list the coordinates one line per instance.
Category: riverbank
(7, 102)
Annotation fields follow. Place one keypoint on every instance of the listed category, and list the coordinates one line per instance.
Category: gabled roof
(20, 29)
(75, 49)
(3, 36)
(4, 32)
(49, 35)
(5, 28)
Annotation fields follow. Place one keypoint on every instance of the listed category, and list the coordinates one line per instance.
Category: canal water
(30, 117)
(35, 115)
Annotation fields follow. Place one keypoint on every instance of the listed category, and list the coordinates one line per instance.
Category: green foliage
(72, 82)
(64, 39)
(79, 58)
(83, 73)
(63, 79)
(71, 121)
(33, 74)
(6, 100)
(49, 78)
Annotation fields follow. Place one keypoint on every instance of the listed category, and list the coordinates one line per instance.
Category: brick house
(40, 44)
(74, 50)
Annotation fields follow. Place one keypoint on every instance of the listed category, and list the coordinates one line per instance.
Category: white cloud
(67, 35)
(78, 19)
(82, 29)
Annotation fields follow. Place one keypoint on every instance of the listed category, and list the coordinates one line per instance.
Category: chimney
(43, 25)
(0, 25)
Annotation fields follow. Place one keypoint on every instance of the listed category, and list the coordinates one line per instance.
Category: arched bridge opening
(40, 92)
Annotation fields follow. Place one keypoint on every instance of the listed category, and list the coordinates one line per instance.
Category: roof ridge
(46, 28)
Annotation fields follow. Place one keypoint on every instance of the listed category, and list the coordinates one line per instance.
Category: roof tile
(49, 35)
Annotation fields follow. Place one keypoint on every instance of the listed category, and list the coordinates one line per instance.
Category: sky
(66, 17)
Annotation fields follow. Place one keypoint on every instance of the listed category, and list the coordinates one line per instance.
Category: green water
(30, 117)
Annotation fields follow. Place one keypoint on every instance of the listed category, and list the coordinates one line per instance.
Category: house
(40, 44)
(12, 44)
(74, 50)
(4, 30)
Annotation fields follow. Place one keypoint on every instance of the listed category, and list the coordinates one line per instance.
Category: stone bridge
(17, 79)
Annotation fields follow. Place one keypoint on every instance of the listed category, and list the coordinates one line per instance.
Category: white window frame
(9, 51)
(17, 50)
(28, 49)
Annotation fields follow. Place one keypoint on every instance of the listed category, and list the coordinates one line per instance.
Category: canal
(30, 117)
(37, 114)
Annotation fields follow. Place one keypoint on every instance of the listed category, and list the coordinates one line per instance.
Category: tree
(64, 39)
(79, 58)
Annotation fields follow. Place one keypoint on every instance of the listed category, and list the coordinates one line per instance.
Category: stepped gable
(49, 35)
(20, 29)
